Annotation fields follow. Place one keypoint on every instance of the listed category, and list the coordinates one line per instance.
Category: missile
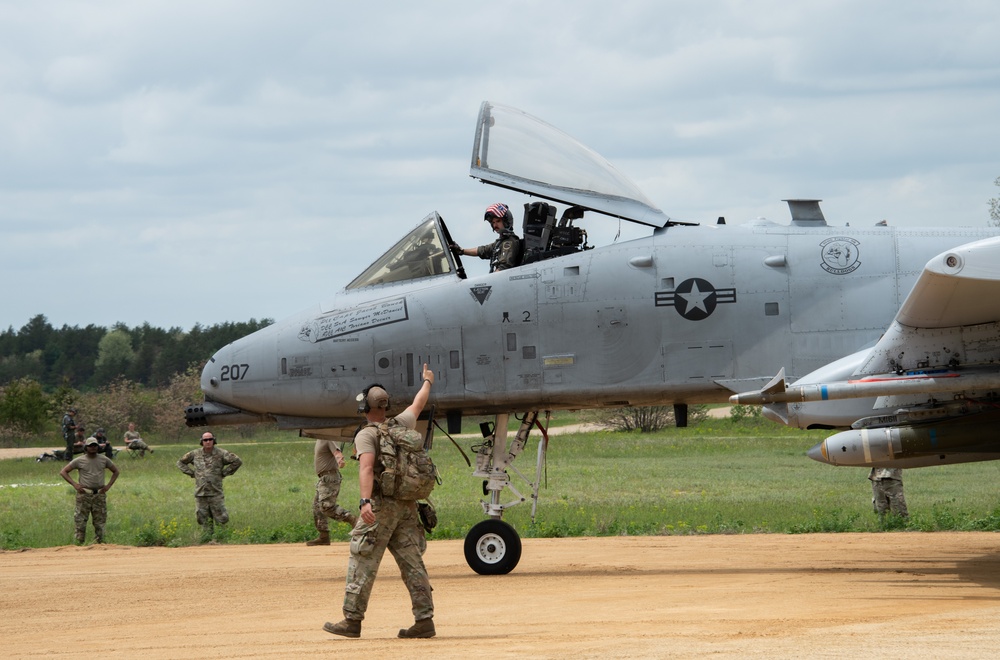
(874, 386)
(955, 441)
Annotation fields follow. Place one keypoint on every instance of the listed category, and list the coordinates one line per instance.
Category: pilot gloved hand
(457, 251)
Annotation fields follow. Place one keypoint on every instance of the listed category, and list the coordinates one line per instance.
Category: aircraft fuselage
(688, 315)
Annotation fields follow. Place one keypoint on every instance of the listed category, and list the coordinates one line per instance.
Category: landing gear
(492, 547)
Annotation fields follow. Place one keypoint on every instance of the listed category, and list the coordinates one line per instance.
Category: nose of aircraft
(213, 382)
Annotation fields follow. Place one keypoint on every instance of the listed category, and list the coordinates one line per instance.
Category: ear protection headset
(363, 406)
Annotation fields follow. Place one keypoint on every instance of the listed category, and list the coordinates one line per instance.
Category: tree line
(113, 375)
(93, 357)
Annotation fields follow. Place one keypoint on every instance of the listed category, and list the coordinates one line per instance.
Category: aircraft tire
(492, 547)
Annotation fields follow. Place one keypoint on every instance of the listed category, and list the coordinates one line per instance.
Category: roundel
(695, 299)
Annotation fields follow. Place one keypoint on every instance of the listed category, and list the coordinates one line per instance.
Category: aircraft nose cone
(818, 453)
(212, 376)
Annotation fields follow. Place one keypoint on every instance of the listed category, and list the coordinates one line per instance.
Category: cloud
(247, 159)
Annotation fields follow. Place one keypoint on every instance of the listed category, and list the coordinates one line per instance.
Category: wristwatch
(364, 501)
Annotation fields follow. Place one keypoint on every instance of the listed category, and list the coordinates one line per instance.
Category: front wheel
(492, 547)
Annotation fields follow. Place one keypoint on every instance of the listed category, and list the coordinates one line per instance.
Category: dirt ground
(843, 595)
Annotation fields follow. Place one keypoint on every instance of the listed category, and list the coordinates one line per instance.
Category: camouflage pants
(325, 503)
(90, 505)
(211, 508)
(140, 446)
(397, 529)
(887, 495)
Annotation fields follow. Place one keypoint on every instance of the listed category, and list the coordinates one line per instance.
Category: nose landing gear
(493, 547)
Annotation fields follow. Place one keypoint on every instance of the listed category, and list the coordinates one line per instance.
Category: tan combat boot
(324, 539)
(421, 629)
(346, 628)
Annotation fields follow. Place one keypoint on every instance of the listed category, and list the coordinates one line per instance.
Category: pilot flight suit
(503, 253)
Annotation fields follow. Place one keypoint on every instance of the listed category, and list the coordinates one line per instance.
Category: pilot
(503, 253)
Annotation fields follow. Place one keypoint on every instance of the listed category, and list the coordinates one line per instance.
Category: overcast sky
(192, 162)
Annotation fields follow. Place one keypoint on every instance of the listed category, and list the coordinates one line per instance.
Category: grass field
(719, 477)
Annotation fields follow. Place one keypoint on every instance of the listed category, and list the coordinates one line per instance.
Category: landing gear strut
(492, 547)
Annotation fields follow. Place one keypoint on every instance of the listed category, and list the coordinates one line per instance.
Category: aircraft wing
(928, 390)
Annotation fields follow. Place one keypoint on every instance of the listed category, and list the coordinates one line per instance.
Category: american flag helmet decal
(498, 210)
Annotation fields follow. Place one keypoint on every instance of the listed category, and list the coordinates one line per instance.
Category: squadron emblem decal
(695, 299)
(481, 293)
(840, 255)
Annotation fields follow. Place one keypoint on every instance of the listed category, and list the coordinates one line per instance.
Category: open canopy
(514, 150)
(517, 151)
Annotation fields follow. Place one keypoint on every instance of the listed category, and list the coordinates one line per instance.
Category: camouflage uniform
(91, 504)
(397, 528)
(328, 488)
(134, 441)
(69, 434)
(209, 469)
(887, 491)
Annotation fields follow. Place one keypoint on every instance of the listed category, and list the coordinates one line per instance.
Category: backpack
(408, 473)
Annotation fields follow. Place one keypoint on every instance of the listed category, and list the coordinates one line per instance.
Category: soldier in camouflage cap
(91, 491)
(208, 466)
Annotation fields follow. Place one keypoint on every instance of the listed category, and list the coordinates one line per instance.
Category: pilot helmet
(500, 210)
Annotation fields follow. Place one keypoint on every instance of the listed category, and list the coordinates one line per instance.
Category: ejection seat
(545, 238)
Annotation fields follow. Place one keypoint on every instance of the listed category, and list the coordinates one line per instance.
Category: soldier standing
(69, 432)
(328, 459)
(385, 523)
(208, 466)
(887, 492)
(91, 491)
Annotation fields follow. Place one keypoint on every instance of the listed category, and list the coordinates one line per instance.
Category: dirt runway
(840, 595)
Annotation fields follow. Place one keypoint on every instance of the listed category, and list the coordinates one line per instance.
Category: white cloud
(253, 157)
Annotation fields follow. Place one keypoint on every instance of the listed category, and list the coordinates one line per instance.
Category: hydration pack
(408, 473)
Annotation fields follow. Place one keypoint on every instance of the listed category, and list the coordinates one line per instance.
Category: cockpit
(422, 252)
(519, 152)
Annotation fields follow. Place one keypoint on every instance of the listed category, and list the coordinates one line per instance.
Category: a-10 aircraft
(893, 331)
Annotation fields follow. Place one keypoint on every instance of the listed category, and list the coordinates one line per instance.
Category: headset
(363, 406)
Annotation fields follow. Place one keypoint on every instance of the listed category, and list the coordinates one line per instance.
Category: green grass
(715, 478)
